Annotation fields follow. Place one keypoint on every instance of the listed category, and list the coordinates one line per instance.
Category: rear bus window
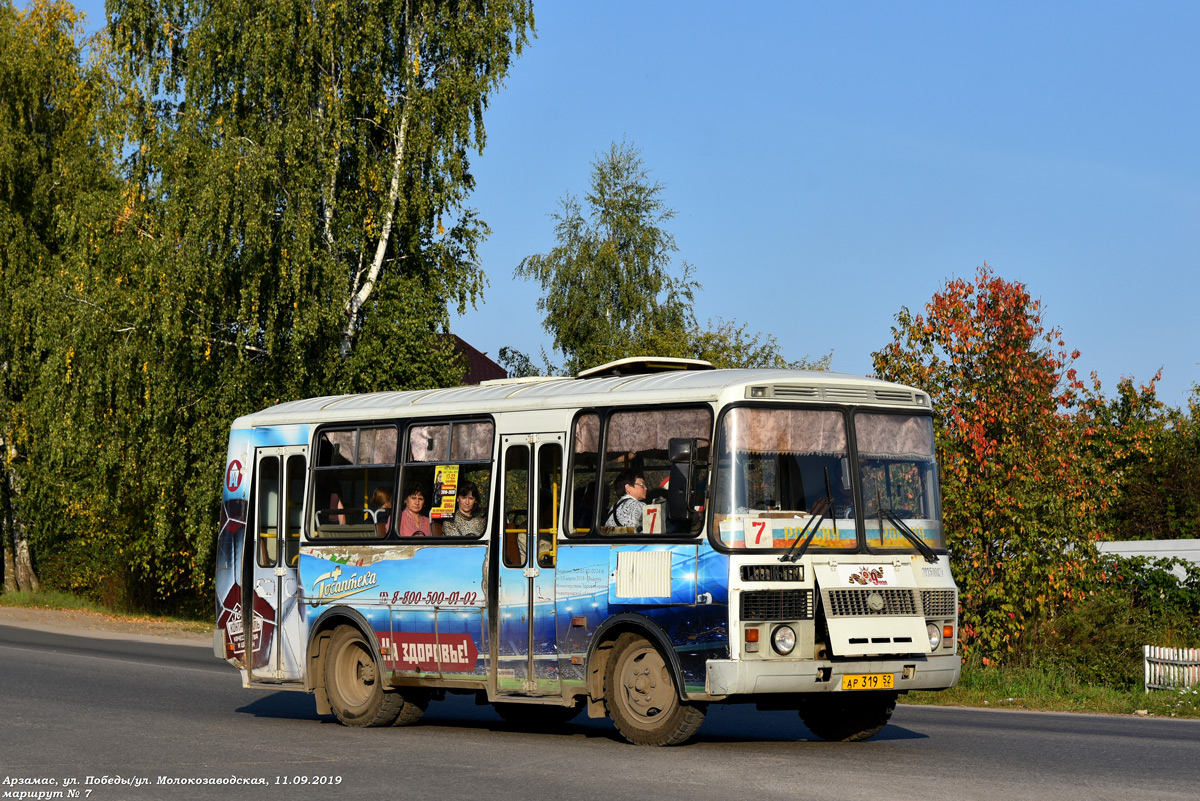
(354, 478)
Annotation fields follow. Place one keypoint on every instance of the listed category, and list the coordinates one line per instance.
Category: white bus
(644, 540)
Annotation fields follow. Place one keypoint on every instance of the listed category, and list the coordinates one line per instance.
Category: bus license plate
(869, 681)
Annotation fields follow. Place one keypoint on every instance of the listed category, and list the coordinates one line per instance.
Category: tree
(1025, 491)
(1155, 453)
(289, 218)
(309, 164)
(50, 157)
(610, 287)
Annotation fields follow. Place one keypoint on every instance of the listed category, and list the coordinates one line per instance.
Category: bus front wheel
(354, 682)
(642, 698)
(848, 717)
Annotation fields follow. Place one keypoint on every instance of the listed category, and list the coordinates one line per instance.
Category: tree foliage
(610, 287)
(1154, 451)
(1025, 485)
(275, 207)
(51, 161)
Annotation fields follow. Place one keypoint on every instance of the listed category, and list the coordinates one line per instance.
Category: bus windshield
(779, 472)
(899, 480)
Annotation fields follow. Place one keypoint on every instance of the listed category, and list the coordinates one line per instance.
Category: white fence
(1171, 668)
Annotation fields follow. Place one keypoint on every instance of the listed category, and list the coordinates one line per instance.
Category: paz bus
(381, 551)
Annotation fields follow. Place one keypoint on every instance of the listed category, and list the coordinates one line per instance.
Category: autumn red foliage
(1023, 472)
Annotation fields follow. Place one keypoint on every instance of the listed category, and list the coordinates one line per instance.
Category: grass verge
(50, 599)
(1056, 691)
(63, 601)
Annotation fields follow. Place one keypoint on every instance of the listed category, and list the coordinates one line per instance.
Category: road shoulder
(95, 624)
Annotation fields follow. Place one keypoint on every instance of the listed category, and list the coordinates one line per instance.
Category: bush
(1099, 641)
(1128, 603)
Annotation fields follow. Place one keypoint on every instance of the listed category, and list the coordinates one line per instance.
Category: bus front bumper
(750, 677)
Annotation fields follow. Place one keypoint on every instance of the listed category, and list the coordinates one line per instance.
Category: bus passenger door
(271, 614)
(531, 496)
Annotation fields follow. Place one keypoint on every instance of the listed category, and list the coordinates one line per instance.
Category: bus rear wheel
(642, 698)
(848, 717)
(354, 682)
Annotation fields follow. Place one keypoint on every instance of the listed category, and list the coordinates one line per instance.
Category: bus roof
(681, 386)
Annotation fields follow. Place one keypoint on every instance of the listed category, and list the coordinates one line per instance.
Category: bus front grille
(777, 605)
(939, 603)
(857, 602)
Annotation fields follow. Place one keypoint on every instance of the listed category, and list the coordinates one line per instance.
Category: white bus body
(789, 553)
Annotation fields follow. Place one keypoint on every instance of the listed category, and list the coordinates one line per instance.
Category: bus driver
(630, 487)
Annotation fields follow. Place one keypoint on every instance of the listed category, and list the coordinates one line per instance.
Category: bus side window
(585, 459)
(444, 460)
(516, 505)
(351, 465)
(637, 445)
(267, 517)
(549, 489)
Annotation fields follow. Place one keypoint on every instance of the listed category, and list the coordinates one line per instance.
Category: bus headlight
(783, 639)
(935, 636)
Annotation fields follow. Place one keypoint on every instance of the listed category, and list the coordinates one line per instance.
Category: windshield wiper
(908, 533)
(818, 513)
(810, 529)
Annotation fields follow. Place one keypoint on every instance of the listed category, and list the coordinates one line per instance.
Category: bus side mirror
(683, 455)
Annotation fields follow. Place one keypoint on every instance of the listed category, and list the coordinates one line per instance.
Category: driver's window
(636, 471)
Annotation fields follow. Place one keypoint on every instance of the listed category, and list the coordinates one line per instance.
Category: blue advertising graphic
(443, 634)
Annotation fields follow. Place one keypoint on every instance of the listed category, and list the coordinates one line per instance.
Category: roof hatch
(644, 365)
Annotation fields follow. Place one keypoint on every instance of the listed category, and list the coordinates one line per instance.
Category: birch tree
(313, 157)
(290, 218)
(611, 288)
(49, 158)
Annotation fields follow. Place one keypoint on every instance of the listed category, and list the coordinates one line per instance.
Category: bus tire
(354, 682)
(641, 696)
(537, 716)
(415, 703)
(848, 717)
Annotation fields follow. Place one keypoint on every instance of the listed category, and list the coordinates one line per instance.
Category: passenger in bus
(412, 522)
(381, 509)
(469, 518)
(332, 514)
(626, 512)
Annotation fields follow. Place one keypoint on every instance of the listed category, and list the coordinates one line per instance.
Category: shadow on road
(723, 724)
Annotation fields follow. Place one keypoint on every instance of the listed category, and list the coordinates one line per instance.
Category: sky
(830, 164)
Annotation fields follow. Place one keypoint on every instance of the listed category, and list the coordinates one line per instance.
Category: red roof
(479, 366)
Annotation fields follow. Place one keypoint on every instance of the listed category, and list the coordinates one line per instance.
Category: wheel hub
(648, 689)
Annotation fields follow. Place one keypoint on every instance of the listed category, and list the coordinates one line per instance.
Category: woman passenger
(381, 509)
(469, 519)
(412, 522)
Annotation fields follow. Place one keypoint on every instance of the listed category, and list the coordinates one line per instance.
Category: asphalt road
(124, 712)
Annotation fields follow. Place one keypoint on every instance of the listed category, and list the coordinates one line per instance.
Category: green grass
(55, 599)
(50, 599)
(1055, 691)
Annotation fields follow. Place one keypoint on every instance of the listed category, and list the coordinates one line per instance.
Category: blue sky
(831, 163)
